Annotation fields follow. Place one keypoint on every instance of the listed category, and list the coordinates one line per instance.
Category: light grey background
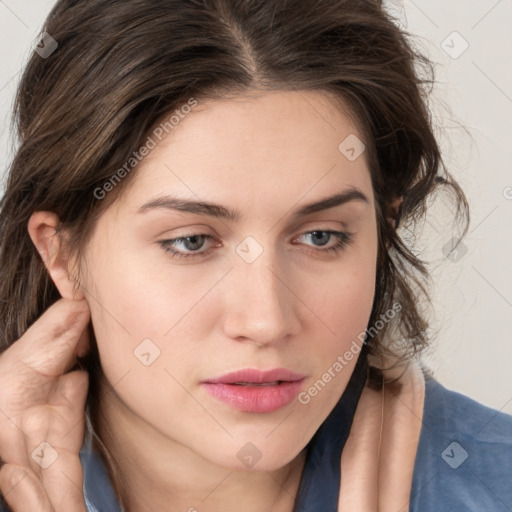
(472, 296)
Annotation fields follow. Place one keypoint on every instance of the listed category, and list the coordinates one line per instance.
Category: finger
(59, 422)
(48, 347)
(63, 482)
(71, 392)
(14, 447)
(83, 344)
(12, 441)
(45, 344)
(57, 426)
(56, 461)
(68, 401)
(60, 473)
(22, 490)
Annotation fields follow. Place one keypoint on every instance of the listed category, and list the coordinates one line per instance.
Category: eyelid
(344, 239)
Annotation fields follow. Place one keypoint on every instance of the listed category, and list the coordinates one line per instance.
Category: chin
(256, 455)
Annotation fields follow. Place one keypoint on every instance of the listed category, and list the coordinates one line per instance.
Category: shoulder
(464, 456)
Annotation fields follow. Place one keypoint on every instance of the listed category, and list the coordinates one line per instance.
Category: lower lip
(255, 398)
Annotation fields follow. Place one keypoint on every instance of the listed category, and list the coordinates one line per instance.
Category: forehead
(259, 149)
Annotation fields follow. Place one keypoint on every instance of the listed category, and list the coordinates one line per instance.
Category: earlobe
(47, 239)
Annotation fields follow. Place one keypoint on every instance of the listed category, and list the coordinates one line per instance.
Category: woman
(203, 215)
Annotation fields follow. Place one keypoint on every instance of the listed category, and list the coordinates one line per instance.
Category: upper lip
(258, 376)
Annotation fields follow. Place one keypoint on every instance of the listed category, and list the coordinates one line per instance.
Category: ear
(43, 230)
(394, 211)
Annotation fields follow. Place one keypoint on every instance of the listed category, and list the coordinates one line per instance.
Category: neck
(155, 471)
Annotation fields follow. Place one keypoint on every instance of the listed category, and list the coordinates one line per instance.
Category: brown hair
(120, 66)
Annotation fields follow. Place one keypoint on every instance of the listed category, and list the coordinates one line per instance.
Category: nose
(259, 304)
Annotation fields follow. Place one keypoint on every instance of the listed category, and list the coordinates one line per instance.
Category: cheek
(346, 312)
(132, 302)
(344, 306)
(345, 299)
(120, 298)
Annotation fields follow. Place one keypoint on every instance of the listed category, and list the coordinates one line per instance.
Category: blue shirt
(463, 461)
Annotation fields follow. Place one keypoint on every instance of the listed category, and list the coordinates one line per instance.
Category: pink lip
(256, 398)
(254, 375)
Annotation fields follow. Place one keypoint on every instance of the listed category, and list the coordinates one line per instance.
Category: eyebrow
(219, 211)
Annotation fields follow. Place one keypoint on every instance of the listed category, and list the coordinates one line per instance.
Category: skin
(295, 306)
(41, 400)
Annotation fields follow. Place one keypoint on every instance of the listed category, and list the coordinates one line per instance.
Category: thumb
(71, 391)
(49, 345)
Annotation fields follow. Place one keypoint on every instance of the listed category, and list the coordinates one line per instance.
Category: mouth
(256, 391)
(274, 383)
(252, 376)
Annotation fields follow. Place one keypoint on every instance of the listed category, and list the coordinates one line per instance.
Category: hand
(40, 402)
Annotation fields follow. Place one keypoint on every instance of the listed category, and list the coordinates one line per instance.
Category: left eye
(193, 243)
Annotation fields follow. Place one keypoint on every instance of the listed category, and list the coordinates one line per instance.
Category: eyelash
(344, 240)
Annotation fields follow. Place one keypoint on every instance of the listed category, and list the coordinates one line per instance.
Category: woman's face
(264, 290)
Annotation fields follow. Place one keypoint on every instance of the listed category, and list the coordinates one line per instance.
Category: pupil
(193, 238)
(326, 235)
